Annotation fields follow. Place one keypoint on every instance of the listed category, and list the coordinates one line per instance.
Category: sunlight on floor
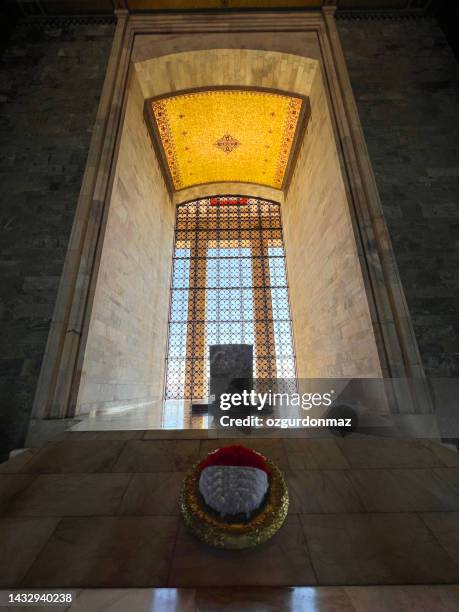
(169, 414)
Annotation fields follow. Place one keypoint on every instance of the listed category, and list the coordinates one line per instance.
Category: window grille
(229, 285)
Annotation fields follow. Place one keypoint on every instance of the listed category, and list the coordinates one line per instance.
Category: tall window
(229, 286)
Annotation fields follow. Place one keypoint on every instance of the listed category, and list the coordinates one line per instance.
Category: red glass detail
(228, 201)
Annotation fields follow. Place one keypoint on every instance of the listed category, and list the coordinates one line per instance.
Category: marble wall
(331, 322)
(125, 352)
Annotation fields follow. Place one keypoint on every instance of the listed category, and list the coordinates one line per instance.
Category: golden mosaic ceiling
(223, 135)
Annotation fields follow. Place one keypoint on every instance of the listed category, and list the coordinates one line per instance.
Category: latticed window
(229, 286)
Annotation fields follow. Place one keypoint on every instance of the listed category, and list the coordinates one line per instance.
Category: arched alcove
(107, 342)
(126, 344)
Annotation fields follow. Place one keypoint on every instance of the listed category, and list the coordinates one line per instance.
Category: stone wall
(50, 83)
(332, 326)
(331, 321)
(406, 83)
(405, 79)
(125, 353)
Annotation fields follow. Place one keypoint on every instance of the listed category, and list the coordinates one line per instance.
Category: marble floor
(99, 509)
(164, 414)
(431, 598)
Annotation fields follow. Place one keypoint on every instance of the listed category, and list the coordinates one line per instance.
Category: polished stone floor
(163, 414)
(99, 509)
(432, 598)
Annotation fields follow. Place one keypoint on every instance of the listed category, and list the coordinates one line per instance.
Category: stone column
(61, 368)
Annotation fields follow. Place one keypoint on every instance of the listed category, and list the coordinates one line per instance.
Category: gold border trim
(168, 158)
(166, 139)
(216, 532)
(291, 124)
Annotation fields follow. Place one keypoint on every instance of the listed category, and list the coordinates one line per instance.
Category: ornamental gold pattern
(216, 532)
(227, 135)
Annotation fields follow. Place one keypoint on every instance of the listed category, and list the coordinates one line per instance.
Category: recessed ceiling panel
(223, 135)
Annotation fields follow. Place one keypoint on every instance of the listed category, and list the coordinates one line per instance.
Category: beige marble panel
(130, 434)
(21, 540)
(16, 463)
(447, 456)
(407, 490)
(307, 454)
(202, 191)
(153, 45)
(106, 552)
(404, 598)
(282, 560)
(213, 67)
(332, 326)
(388, 452)
(125, 352)
(158, 456)
(72, 495)
(376, 549)
(445, 527)
(153, 494)
(79, 456)
(10, 486)
(322, 492)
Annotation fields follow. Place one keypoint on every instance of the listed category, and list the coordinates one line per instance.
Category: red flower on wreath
(235, 455)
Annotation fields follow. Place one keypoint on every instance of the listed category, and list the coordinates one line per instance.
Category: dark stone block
(231, 366)
(231, 371)
(406, 82)
(48, 106)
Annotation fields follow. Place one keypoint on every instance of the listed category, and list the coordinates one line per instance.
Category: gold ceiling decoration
(227, 143)
(226, 135)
